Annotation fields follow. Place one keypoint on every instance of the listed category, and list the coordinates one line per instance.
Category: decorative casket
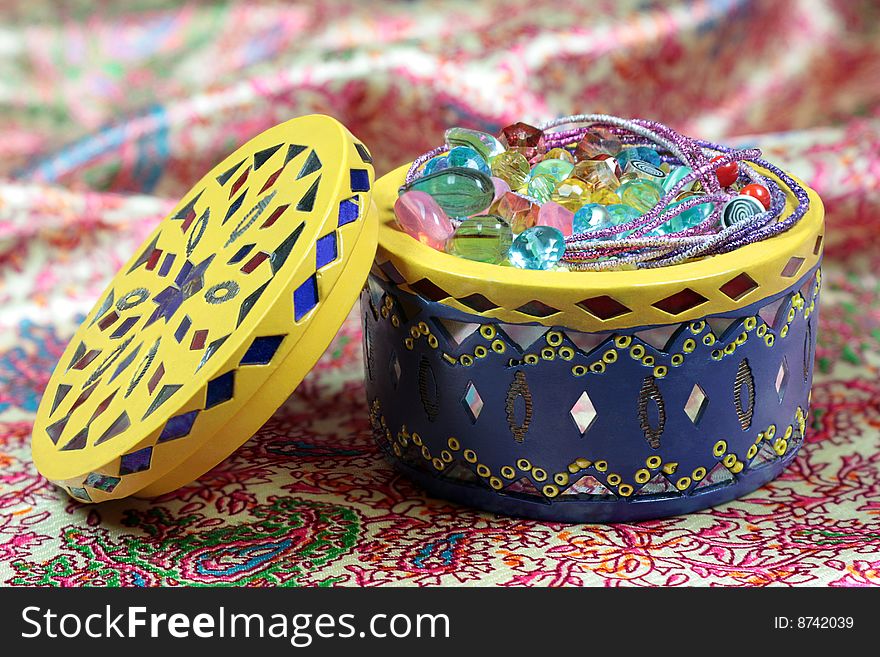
(596, 395)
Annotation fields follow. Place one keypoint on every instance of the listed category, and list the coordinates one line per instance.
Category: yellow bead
(571, 193)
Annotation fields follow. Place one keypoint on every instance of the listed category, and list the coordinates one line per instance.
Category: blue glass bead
(590, 217)
(740, 208)
(435, 164)
(558, 169)
(459, 191)
(675, 175)
(605, 216)
(464, 156)
(539, 247)
(687, 219)
(482, 142)
(638, 153)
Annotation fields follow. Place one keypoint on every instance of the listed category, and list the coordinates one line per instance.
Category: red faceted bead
(525, 138)
(727, 173)
(759, 192)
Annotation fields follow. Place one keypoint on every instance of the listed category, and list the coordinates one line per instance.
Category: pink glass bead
(501, 188)
(553, 214)
(418, 214)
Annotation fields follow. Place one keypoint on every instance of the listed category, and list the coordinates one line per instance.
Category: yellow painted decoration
(216, 318)
(498, 292)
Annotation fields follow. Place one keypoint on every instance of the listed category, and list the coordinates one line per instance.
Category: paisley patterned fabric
(110, 112)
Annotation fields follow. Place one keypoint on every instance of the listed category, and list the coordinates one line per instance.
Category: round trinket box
(507, 383)
(591, 396)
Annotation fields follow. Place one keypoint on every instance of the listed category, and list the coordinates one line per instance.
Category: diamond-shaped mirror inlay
(771, 312)
(739, 286)
(523, 334)
(680, 302)
(792, 267)
(472, 402)
(394, 367)
(696, 404)
(604, 307)
(583, 412)
(659, 336)
(782, 378)
(458, 332)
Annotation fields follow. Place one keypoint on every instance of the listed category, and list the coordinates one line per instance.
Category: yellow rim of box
(510, 288)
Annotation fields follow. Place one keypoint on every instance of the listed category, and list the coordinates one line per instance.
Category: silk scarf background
(109, 111)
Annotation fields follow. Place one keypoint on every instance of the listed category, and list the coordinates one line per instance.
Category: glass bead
(638, 153)
(592, 217)
(459, 191)
(419, 215)
(675, 176)
(603, 166)
(541, 187)
(484, 238)
(525, 139)
(518, 211)
(687, 219)
(571, 193)
(559, 154)
(622, 213)
(435, 164)
(558, 169)
(557, 216)
(539, 247)
(640, 194)
(501, 188)
(727, 173)
(482, 142)
(646, 171)
(512, 167)
(465, 156)
(602, 195)
(596, 143)
(759, 192)
(740, 208)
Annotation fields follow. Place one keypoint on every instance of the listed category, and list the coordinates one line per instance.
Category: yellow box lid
(216, 319)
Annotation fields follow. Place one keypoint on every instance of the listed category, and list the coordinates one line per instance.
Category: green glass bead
(640, 194)
(482, 142)
(541, 187)
(511, 167)
(485, 238)
(558, 169)
(460, 192)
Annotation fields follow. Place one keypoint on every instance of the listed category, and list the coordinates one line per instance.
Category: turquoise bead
(590, 217)
(675, 175)
(539, 247)
(464, 156)
(482, 142)
(622, 213)
(687, 219)
(435, 164)
(597, 217)
(557, 169)
(459, 191)
(638, 153)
